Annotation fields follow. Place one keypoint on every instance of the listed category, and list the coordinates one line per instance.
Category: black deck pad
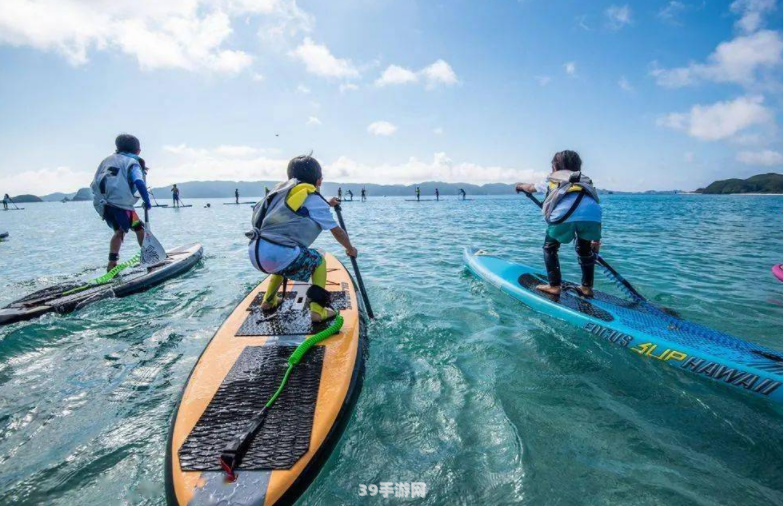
(285, 435)
(568, 297)
(291, 318)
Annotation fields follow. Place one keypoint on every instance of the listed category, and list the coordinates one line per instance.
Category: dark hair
(127, 143)
(567, 160)
(305, 168)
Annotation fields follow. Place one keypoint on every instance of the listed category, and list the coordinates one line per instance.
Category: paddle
(152, 251)
(633, 292)
(14, 203)
(362, 290)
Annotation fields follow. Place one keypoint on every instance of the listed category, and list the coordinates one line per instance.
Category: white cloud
(313, 121)
(543, 80)
(721, 120)
(258, 77)
(439, 73)
(625, 85)
(185, 163)
(766, 158)
(737, 61)
(345, 87)
(570, 68)
(184, 34)
(433, 75)
(46, 180)
(440, 168)
(320, 61)
(618, 16)
(751, 13)
(672, 11)
(383, 128)
(304, 90)
(395, 74)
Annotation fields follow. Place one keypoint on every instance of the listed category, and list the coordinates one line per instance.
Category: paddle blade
(152, 251)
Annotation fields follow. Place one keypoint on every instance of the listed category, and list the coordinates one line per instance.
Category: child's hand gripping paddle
(152, 251)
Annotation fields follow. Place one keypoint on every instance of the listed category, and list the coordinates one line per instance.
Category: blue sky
(653, 94)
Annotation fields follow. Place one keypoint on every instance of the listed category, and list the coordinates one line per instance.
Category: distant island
(225, 189)
(761, 183)
(26, 199)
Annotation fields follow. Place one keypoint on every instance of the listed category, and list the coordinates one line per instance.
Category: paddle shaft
(144, 204)
(599, 259)
(12, 201)
(363, 291)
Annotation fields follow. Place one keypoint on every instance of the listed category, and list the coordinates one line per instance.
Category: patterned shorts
(301, 269)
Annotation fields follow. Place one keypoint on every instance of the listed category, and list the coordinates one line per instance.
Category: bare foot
(585, 291)
(111, 266)
(551, 290)
(317, 318)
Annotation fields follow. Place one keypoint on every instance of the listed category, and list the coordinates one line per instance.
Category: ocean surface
(466, 390)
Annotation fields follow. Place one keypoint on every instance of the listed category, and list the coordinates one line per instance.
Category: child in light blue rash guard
(573, 211)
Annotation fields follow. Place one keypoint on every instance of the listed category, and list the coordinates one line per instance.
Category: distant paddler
(236, 195)
(462, 192)
(350, 194)
(175, 195)
(437, 194)
(340, 193)
(284, 228)
(418, 194)
(6, 199)
(364, 194)
(114, 187)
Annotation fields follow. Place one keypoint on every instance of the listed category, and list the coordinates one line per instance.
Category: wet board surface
(642, 328)
(132, 280)
(238, 369)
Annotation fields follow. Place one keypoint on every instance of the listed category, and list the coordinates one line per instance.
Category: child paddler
(572, 210)
(285, 224)
(114, 187)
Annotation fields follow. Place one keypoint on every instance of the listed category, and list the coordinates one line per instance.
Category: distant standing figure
(6, 198)
(462, 192)
(364, 194)
(437, 194)
(236, 195)
(418, 194)
(350, 194)
(175, 195)
(340, 193)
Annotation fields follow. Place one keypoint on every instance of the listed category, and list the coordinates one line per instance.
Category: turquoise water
(466, 390)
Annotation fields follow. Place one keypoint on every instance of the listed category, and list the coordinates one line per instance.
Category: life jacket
(281, 219)
(560, 184)
(112, 184)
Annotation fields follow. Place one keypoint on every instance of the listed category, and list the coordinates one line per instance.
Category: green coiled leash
(106, 278)
(232, 455)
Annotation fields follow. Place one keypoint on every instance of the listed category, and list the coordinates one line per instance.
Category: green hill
(83, 195)
(762, 183)
(26, 199)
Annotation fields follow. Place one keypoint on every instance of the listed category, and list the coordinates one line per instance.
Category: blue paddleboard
(642, 328)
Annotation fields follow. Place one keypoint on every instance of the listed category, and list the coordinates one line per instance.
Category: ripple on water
(465, 390)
